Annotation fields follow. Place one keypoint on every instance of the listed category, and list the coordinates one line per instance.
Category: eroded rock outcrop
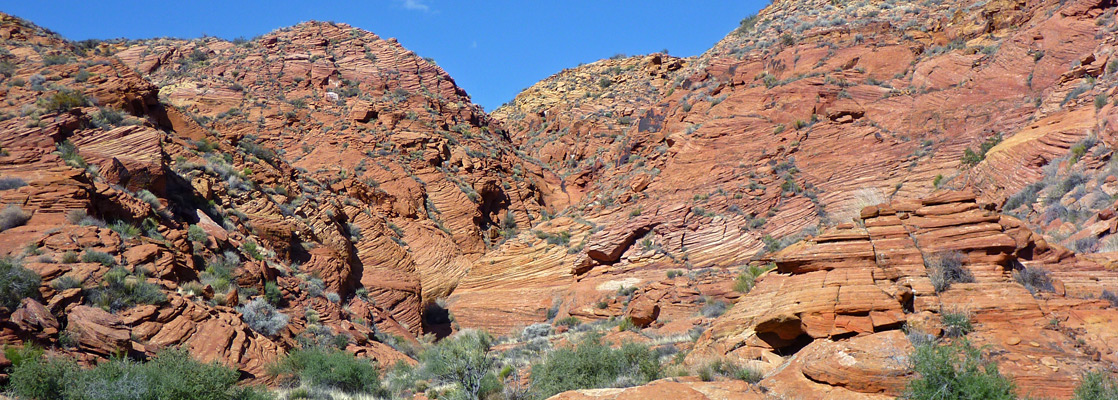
(834, 308)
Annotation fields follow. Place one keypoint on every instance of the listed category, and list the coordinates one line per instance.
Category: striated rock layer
(827, 322)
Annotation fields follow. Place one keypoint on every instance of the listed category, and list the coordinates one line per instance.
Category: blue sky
(493, 49)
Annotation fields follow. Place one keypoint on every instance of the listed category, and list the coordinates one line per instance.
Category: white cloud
(416, 5)
(473, 45)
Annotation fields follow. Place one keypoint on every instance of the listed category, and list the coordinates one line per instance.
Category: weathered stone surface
(836, 308)
(671, 388)
(98, 332)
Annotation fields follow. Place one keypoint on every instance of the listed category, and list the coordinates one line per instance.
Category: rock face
(352, 184)
(670, 389)
(834, 308)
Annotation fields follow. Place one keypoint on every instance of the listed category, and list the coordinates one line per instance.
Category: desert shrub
(120, 289)
(461, 360)
(1096, 385)
(219, 270)
(714, 309)
(100, 257)
(956, 371)
(150, 198)
(66, 282)
(330, 368)
(69, 257)
(171, 375)
(7, 69)
(9, 183)
(1034, 279)
(69, 153)
(1086, 244)
(250, 146)
(42, 378)
(746, 24)
(253, 250)
(627, 324)
(124, 229)
(314, 287)
(535, 331)
(956, 323)
(744, 283)
(263, 317)
(748, 277)
(1111, 297)
(1026, 197)
(107, 118)
(569, 322)
(16, 283)
(1063, 186)
(971, 157)
(947, 268)
(318, 336)
(13, 216)
(196, 234)
(64, 100)
(591, 364)
(728, 369)
(273, 294)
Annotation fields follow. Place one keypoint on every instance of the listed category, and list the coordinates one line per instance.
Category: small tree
(461, 359)
(956, 371)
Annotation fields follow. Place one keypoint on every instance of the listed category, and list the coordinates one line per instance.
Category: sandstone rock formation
(352, 184)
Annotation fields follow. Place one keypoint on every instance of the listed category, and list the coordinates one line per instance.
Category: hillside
(812, 199)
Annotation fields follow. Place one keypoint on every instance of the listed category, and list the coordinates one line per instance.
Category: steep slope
(340, 102)
(809, 112)
(345, 180)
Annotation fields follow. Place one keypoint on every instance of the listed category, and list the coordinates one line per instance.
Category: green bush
(1096, 385)
(16, 283)
(719, 367)
(956, 371)
(42, 378)
(69, 153)
(748, 277)
(253, 250)
(330, 368)
(219, 271)
(570, 321)
(973, 157)
(69, 257)
(171, 375)
(66, 282)
(273, 294)
(120, 290)
(956, 323)
(100, 257)
(461, 360)
(196, 234)
(124, 229)
(64, 100)
(591, 364)
(628, 325)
